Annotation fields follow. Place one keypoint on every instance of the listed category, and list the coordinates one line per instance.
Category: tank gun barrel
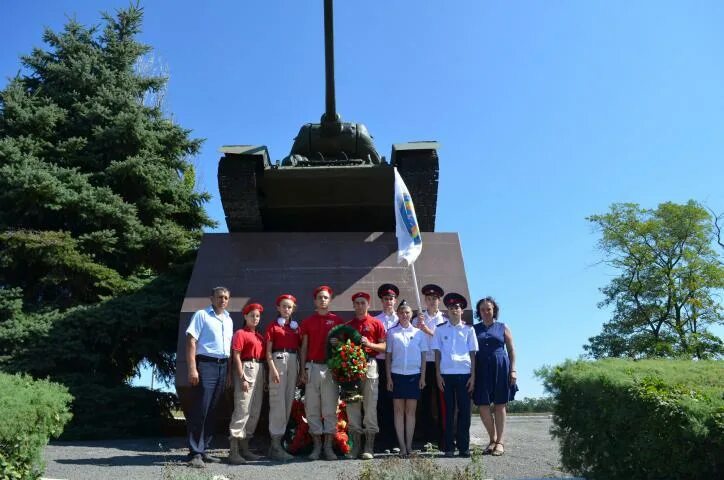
(330, 116)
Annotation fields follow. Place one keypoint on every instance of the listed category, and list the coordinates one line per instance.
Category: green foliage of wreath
(342, 333)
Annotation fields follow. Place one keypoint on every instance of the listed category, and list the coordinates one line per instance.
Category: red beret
(286, 296)
(364, 295)
(323, 287)
(253, 306)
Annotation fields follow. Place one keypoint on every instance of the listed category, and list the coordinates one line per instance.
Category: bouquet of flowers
(299, 440)
(341, 438)
(348, 362)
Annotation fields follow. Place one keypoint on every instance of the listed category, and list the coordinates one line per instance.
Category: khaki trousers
(370, 392)
(281, 394)
(247, 405)
(321, 398)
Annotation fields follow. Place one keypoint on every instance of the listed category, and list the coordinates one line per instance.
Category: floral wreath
(347, 361)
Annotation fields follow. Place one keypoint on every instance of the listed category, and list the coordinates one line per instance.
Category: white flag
(409, 240)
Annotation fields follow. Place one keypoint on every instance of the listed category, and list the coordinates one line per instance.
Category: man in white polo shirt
(455, 344)
(208, 346)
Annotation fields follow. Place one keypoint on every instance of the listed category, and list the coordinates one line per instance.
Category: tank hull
(258, 196)
(315, 199)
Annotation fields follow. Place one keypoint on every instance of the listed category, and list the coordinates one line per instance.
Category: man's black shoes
(196, 461)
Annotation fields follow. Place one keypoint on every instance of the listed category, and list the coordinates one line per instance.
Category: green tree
(100, 218)
(718, 220)
(669, 279)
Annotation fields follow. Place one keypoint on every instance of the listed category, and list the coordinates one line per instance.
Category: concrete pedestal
(259, 266)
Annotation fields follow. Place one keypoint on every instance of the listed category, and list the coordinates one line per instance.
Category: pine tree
(99, 214)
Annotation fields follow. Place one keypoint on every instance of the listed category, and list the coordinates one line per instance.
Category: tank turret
(331, 141)
(333, 178)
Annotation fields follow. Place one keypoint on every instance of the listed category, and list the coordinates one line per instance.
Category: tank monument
(324, 214)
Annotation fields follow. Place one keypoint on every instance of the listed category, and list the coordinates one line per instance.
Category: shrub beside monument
(33, 411)
(619, 418)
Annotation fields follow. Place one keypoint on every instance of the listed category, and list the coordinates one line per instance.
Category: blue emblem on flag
(409, 220)
(409, 237)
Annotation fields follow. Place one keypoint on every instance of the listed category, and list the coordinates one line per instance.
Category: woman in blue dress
(495, 372)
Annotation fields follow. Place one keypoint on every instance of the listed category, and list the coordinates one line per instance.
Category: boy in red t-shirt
(374, 342)
(321, 394)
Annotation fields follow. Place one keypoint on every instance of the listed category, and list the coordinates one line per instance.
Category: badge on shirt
(329, 322)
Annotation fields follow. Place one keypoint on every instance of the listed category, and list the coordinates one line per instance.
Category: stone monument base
(259, 266)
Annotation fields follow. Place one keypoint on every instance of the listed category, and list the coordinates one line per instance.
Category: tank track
(419, 168)
(238, 176)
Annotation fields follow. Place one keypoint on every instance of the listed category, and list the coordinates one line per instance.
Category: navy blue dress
(492, 366)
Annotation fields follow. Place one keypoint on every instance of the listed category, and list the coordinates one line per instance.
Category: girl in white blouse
(406, 349)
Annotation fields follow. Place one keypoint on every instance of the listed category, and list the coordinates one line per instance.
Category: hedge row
(649, 419)
(32, 412)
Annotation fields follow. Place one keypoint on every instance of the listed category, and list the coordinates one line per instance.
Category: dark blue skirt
(492, 382)
(406, 386)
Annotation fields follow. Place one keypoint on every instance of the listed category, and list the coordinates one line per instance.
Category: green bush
(646, 419)
(33, 411)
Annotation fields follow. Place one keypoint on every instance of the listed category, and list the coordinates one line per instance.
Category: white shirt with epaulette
(388, 321)
(432, 322)
(455, 342)
(406, 345)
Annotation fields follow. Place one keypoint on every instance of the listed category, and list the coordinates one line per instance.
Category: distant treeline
(529, 405)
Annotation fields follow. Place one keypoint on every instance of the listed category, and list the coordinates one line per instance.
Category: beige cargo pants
(247, 405)
(370, 392)
(320, 399)
(281, 394)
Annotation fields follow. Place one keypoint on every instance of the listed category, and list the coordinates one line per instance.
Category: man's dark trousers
(204, 398)
(455, 394)
(430, 410)
(387, 438)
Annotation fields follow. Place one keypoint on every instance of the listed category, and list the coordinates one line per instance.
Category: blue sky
(547, 112)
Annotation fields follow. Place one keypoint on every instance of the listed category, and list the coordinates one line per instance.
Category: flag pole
(417, 289)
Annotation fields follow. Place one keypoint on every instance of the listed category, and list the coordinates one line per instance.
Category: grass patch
(419, 468)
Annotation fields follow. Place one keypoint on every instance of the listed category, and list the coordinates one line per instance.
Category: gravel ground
(530, 453)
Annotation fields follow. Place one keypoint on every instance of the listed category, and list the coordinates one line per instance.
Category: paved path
(530, 453)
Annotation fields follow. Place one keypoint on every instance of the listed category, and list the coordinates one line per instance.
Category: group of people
(433, 358)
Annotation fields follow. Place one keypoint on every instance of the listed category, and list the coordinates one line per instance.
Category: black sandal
(489, 449)
(498, 452)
